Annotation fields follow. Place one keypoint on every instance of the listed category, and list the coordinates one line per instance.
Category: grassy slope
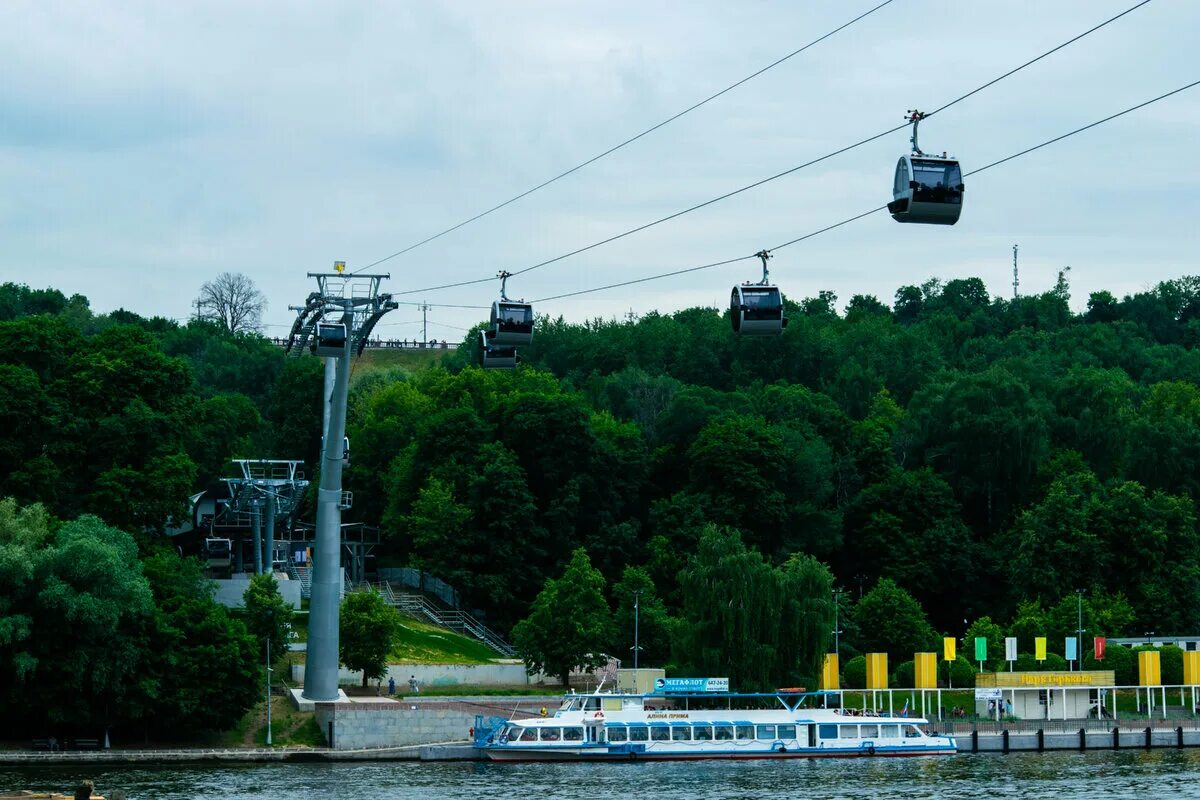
(422, 643)
(383, 359)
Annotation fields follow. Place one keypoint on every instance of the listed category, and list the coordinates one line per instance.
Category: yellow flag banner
(1039, 648)
(948, 648)
(829, 672)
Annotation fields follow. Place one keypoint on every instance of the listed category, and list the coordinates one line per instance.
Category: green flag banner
(981, 648)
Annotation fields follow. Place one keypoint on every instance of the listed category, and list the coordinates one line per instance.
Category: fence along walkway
(416, 605)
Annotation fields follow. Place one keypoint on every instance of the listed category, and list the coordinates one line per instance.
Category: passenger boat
(627, 727)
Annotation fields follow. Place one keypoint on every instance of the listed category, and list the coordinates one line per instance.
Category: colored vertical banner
(925, 670)
(1072, 648)
(829, 672)
(948, 648)
(877, 671)
(1149, 668)
(981, 648)
(1010, 648)
(1098, 646)
(1039, 648)
(1191, 668)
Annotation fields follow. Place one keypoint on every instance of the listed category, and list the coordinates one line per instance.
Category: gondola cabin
(512, 323)
(927, 189)
(496, 356)
(757, 310)
(330, 339)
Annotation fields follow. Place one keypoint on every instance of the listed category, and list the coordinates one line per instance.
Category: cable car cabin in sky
(496, 356)
(926, 189)
(757, 310)
(512, 323)
(330, 339)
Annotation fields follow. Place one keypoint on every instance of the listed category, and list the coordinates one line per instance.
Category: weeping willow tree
(762, 626)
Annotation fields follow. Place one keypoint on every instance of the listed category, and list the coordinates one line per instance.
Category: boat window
(847, 731)
(723, 732)
(573, 734)
(745, 731)
(551, 734)
(680, 734)
(911, 732)
(529, 735)
(766, 732)
(828, 731)
(889, 731)
(618, 734)
(514, 733)
(638, 733)
(660, 734)
(786, 732)
(868, 731)
(702, 733)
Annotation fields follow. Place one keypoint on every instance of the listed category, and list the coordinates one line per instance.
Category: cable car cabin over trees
(512, 323)
(927, 189)
(496, 356)
(756, 309)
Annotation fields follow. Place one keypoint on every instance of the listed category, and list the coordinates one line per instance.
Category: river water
(1093, 775)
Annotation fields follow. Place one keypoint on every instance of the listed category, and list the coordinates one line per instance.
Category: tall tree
(369, 627)
(267, 615)
(232, 300)
(570, 624)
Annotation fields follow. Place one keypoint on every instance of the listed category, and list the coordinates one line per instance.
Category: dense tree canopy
(966, 455)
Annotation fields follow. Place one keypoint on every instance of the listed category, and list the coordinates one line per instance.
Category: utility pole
(269, 681)
(1016, 280)
(636, 611)
(335, 322)
(837, 627)
(1079, 630)
(424, 323)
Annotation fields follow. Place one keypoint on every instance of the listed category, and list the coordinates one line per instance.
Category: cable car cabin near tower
(926, 189)
(511, 325)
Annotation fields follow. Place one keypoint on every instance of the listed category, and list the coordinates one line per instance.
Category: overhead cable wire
(856, 217)
(796, 168)
(628, 141)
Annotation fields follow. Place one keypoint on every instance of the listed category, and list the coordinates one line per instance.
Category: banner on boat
(668, 685)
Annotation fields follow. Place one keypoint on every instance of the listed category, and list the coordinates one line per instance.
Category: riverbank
(989, 738)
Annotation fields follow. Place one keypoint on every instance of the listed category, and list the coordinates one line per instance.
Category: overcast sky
(146, 146)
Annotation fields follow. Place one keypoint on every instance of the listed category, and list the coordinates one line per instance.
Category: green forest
(943, 463)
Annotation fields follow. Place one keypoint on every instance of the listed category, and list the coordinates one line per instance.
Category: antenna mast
(1016, 280)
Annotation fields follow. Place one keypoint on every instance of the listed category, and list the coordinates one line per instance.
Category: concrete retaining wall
(437, 675)
(359, 725)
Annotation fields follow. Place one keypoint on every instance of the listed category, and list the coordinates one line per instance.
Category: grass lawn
(422, 643)
(289, 727)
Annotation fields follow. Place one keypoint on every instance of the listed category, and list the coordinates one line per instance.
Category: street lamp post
(268, 688)
(837, 627)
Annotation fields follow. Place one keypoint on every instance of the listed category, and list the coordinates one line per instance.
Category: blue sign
(685, 685)
(1072, 648)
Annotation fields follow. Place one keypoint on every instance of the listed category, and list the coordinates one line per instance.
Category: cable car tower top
(351, 300)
